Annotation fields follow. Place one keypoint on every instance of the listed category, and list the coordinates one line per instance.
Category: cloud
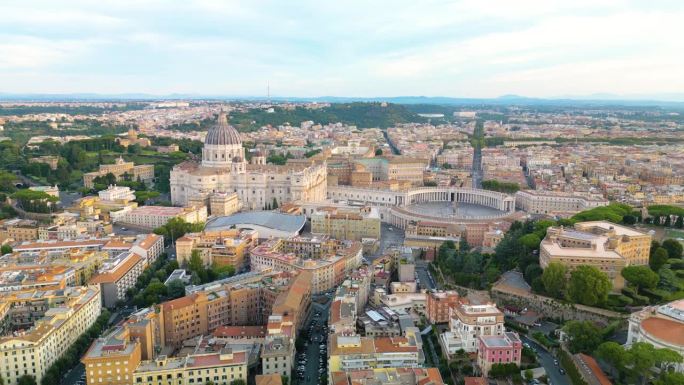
(459, 48)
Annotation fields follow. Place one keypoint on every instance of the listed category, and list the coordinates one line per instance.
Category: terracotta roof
(149, 241)
(181, 302)
(475, 381)
(119, 272)
(665, 330)
(393, 344)
(215, 360)
(269, 379)
(240, 331)
(596, 371)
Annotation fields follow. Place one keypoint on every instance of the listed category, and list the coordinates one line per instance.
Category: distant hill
(604, 99)
(362, 115)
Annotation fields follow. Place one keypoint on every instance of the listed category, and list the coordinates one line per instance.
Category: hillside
(362, 115)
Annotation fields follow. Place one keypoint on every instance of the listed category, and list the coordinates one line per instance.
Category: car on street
(561, 371)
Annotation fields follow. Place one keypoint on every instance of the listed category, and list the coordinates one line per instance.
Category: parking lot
(312, 362)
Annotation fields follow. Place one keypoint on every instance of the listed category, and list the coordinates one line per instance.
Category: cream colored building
(548, 202)
(661, 326)
(144, 172)
(467, 323)
(33, 351)
(329, 262)
(607, 246)
(395, 168)
(224, 203)
(220, 247)
(117, 275)
(347, 224)
(151, 217)
(224, 170)
(353, 352)
(117, 193)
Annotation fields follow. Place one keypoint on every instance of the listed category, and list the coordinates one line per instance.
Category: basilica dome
(222, 134)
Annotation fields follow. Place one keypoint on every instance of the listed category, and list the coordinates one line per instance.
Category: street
(424, 276)
(546, 360)
(314, 358)
(74, 376)
(390, 236)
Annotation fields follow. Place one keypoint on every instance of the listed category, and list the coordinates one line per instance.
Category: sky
(469, 48)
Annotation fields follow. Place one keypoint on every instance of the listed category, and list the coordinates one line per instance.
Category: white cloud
(460, 48)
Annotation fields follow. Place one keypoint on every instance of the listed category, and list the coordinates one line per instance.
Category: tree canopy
(588, 286)
(554, 279)
(640, 276)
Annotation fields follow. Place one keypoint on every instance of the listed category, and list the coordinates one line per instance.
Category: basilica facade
(224, 170)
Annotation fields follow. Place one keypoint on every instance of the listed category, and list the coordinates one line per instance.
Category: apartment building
(112, 359)
(151, 217)
(353, 352)
(117, 359)
(148, 246)
(467, 323)
(33, 351)
(498, 349)
(394, 376)
(607, 246)
(329, 262)
(117, 275)
(19, 230)
(352, 225)
(439, 304)
(220, 247)
(245, 299)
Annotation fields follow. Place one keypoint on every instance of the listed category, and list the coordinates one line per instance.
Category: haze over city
(551, 49)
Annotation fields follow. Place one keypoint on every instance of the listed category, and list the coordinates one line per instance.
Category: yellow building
(32, 352)
(221, 247)
(329, 262)
(144, 173)
(19, 230)
(607, 246)
(347, 224)
(112, 359)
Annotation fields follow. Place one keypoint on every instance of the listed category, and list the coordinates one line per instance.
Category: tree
(554, 279)
(529, 375)
(239, 381)
(531, 241)
(670, 378)
(5, 249)
(285, 380)
(275, 204)
(673, 247)
(222, 271)
(176, 228)
(614, 354)
(583, 336)
(658, 258)
(26, 380)
(196, 265)
(640, 276)
(629, 219)
(588, 286)
(378, 152)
